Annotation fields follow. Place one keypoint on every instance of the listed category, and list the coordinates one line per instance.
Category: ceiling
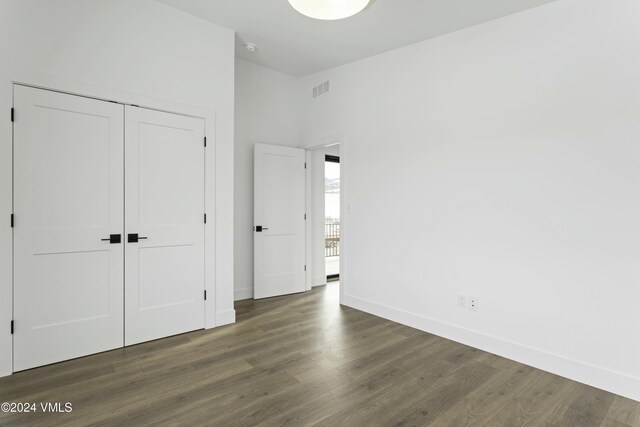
(294, 44)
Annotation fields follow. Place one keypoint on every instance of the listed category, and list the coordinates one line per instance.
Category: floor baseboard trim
(318, 281)
(225, 318)
(595, 376)
(240, 294)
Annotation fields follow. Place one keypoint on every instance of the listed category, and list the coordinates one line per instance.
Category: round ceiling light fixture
(328, 9)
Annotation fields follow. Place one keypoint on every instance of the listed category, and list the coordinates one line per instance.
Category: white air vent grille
(321, 89)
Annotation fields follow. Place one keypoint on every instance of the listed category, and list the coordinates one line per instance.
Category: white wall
(267, 111)
(502, 162)
(137, 51)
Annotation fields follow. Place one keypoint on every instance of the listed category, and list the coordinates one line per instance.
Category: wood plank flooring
(305, 360)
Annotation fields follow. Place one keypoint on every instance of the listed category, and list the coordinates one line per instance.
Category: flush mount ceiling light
(329, 9)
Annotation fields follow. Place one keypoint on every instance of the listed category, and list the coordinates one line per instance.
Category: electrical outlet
(462, 301)
(473, 303)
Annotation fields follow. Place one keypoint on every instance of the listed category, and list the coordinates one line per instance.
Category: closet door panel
(68, 198)
(164, 267)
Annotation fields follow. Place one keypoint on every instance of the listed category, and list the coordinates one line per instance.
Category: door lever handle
(260, 228)
(133, 238)
(113, 238)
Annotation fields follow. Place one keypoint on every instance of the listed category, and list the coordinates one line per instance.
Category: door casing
(345, 207)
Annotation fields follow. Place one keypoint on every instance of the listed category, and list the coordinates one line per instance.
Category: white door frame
(315, 144)
(213, 317)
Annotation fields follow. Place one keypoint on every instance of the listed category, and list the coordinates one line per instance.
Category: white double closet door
(108, 228)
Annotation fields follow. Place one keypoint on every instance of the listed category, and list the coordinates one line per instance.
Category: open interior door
(279, 221)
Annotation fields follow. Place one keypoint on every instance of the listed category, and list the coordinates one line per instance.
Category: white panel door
(164, 208)
(68, 198)
(279, 219)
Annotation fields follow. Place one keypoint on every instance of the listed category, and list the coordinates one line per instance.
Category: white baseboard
(225, 318)
(318, 281)
(240, 294)
(596, 376)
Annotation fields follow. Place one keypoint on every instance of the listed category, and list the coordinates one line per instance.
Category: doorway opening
(332, 217)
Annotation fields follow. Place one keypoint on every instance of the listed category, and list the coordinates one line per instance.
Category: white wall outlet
(462, 301)
(473, 303)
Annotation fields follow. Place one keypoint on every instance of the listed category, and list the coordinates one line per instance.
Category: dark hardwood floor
(304, 360)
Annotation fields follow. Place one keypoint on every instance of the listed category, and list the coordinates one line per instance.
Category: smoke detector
(250, 47)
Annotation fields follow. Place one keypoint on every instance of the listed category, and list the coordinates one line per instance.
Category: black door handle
(133, 238)
(113, 238)
(259, 228)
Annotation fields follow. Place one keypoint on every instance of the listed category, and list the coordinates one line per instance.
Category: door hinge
(305, 165)
(12, 327)
(205, 142)
(205, 218)
(205, 294)
(11, 220)
(12, 114)
(305, 217)
(305, 268)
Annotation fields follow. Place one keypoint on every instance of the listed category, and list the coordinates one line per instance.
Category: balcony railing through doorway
(331, 239)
